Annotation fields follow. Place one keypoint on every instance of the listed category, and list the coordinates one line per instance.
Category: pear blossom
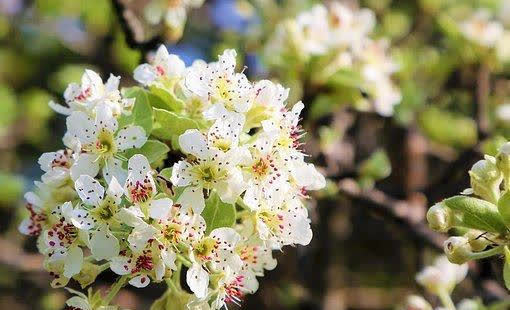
(91, 93)
(219, 83)
(217, 249)
(103, 140)
(442, 275)
(482, 29)
(164, 66)
(211, 169)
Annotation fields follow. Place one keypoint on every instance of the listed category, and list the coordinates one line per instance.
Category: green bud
(88, 274)
(503, 163)
(458, 250)
(486, 179)
(476, 240)
(440, 217)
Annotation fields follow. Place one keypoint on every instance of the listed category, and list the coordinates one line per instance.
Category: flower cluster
(343, 36)
(110, 199)
(485, 220)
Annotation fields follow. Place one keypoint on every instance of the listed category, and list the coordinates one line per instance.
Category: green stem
(114, 290)
(446, 300)
(484, 254)
(183, 260)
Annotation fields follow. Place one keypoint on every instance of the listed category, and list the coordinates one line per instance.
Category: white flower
(287, 225)
(219, 82)
(312, 34)
(140, 189)
(443, 275)
(231, 289)
(210, 169)
(349, 27)
(101, 139)
(60, 242)
(103, 244)
(217, 249)
(164, 66)
(92, 93)
(482, 29)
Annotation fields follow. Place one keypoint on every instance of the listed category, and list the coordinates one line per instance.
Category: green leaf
(476, 213)
(165, 100)
(169, 125)
(346, 78)
(166, 173)
(506, 268)
(154, 150)
(504, 208)
(218, 214)
(142, 111)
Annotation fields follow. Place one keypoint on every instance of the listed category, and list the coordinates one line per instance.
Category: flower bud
(476, 240)
(458, 250)
(486, 178)
(503, 162)
(440, 217)
(415, 302)
(88, 274)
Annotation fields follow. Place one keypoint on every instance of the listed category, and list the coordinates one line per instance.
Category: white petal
(193, 142)
(131, 216)
(113, 169)
(159, 270)
(103, 244)
(24, 227)
(140, 236)
(81, 126)
(89, 190)
(145, 74)
(82, 219)
(58, 108)
(78, 303)
(115, 190)
(46, 160)
(181, 174)
(160, 208)
(140, 281)
(120, 265)
(56, 177)
(138, 167)
(130, 137)
(168, 257)
(192, 197)
(227, 236)
(198, 280)
(231, 189)
(105, 119)
(86, 164)
(73, 261)
(34, 200)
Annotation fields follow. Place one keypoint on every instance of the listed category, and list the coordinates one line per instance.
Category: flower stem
(114, 290)
(484, 254)
(446, 300)
(183, 260)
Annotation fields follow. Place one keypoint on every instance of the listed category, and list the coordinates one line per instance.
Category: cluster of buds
(341, 38)
(111, 199)
(485, 219)
(440, 279)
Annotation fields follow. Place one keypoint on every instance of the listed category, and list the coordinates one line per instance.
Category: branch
(133, 31)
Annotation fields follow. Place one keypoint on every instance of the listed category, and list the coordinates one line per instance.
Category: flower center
(106, 210)
(208, 174)
(272, 220)
(105, 143)
(261, 167)
(204, 248)
(172, 233)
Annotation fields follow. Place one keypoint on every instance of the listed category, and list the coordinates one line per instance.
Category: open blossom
(144, 218)
(93, 92)
(481, 29)
(443, 275)
(102, 139)
(164, 66)
(219, 83)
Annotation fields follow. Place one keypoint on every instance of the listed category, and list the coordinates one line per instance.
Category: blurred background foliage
(455, 102)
